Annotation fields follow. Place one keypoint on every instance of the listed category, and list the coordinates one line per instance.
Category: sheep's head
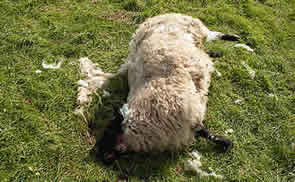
(111, 146)
(115, 152)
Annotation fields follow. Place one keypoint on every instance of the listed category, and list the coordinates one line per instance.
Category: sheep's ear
(121, 148)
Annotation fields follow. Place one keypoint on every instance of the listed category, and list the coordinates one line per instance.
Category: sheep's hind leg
(211, 35)
(218, 35)
(230, 37)
(221, 141)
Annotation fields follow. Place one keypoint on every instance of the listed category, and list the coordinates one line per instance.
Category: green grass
(41, 139)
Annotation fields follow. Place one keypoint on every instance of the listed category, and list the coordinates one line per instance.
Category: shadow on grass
(141, 165)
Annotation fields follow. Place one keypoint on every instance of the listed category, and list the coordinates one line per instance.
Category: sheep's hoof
(224, 143)
(230, 37)
(213, 54)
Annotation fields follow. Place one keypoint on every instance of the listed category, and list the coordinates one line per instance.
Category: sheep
(169, 76)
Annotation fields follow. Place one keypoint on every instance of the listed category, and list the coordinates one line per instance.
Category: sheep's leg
(108, 76)
(230, 37)
(218, 35)
(219, 140)
(212, 35)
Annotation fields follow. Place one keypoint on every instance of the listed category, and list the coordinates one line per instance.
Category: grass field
(41, 139)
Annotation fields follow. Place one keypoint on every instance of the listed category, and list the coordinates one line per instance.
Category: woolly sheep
(169, 75)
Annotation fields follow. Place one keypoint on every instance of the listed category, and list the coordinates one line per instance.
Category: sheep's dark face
(111, 146)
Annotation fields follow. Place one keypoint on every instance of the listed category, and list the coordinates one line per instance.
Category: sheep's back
(156, 121)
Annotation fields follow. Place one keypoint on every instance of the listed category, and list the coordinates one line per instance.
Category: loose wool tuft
(169, 75)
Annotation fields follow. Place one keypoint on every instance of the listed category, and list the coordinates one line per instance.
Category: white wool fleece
(169, 75)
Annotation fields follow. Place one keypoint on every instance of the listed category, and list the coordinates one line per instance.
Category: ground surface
(41, 139)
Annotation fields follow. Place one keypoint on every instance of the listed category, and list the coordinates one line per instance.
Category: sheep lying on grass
(169, 75)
